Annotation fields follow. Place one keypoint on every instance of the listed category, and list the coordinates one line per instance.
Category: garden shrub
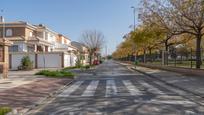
(4, 110)
(56, 74)
(26, 63)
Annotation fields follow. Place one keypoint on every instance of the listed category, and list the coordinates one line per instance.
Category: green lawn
(56, 74)
(4, 110)
(64, 73)
(68, 68)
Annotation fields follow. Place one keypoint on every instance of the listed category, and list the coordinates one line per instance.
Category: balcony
(61, 46)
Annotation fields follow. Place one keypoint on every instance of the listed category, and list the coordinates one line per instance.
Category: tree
(94, 41)
(124, 49)
(146, 37)
(178, 17)
(188, 15)
(154, 14)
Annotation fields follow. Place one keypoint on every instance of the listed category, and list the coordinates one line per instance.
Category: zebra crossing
(90, 90)
(71, 89)
(132, 89)
(110, 88)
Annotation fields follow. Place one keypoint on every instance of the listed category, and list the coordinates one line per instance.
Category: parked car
(96, 62)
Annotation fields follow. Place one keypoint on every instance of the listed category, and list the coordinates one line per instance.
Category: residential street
(112, 89)
(102, 57)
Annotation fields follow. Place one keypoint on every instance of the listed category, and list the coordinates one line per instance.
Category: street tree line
(166, 23)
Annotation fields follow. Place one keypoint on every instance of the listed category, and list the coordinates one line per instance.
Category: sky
(72, 17)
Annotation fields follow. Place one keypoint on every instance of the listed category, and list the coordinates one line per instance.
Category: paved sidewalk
(17, 78)
(194, 84)
(22, 90)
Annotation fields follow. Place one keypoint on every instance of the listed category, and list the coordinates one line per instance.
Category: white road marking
(85, 113)
(151, 88)
(70, 89)
(132, 89)
(172, 102)
(189, 112)
(90, 90)
(110, 88)
(71, 113)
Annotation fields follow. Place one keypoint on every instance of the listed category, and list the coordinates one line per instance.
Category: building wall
(22, 46)
(15, 59)
(41, 60)
(51, 37)
(73, 59)
(67, 60)
(58, 39)
(16, 31)
(40, 34)
(49, 60)
(28, 32)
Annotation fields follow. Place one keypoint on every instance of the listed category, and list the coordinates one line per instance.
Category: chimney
(1, 19)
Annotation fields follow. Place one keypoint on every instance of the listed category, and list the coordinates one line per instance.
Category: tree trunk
(90, 59)
(150, 54)
(165, 53)
(144, 56)
(166, 45)
(198, 51)
(150, 51)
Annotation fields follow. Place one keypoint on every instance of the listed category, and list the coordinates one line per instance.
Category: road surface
(112, 89)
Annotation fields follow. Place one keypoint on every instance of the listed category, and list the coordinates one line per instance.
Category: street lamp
(134, 10)
(134, 46)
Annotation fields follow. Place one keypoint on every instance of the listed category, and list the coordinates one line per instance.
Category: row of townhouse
(45, 47)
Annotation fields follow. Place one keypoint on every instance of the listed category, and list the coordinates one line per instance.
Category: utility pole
(134, 45)
(3, 25)
(106, 52)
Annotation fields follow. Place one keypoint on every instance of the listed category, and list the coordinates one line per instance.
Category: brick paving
(26, 95)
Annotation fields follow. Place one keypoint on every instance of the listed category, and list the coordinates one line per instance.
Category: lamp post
(134, 11)
(134, 45)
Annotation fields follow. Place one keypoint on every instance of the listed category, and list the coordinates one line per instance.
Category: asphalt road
(112, 89)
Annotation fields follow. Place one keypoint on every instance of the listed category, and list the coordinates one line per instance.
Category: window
(13, 48)
(31, 34)
(31, 48)
(9, 32)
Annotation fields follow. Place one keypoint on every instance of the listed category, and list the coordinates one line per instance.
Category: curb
(32, 107)
(167, 83)
(172, 85)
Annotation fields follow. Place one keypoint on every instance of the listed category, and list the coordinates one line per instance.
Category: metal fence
(185, 59)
